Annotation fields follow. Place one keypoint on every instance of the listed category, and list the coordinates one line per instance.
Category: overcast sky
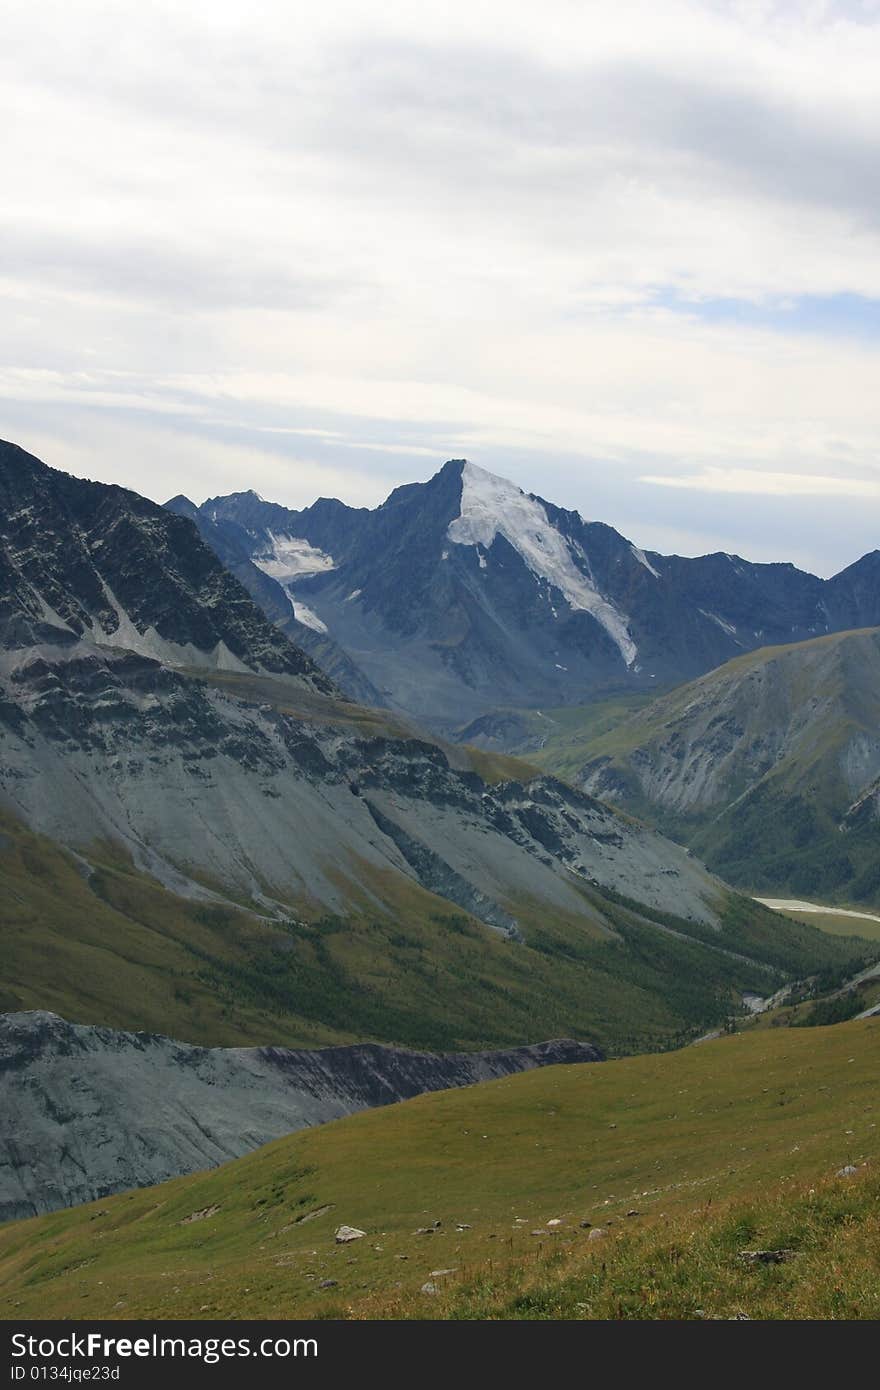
(627, 254)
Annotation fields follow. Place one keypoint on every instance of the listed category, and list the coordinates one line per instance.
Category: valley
(244, 891)
(115, 947)
(841, 920)
(439, 684)
(300, 869)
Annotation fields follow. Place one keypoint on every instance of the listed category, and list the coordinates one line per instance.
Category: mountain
(632, 1190)
(201, 837)
(233, 546)
(88, 565)
(769, 767)
(90, 1111)
(464, 595)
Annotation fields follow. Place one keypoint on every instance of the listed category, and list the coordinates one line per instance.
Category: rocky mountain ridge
(463, 595)
(293, 860)
(87, 562)
(274, 804)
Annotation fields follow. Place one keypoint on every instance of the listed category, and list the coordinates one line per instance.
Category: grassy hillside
(838, 922)
(554, 739)
(682, 1160)
(115, 948)
(566, 731)
(756, 766)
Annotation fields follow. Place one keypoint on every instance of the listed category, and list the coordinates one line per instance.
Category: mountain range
(202, 837)
(464, 596)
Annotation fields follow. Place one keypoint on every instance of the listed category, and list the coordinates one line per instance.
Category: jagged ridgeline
(462, 599)
(202, 837)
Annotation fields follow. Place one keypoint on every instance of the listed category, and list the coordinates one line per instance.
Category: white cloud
(392, 234)
(162, 462)
(744, 480)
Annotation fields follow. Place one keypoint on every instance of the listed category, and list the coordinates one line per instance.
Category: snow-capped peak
(491, 506)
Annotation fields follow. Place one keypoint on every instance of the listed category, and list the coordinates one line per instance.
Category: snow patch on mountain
(725, 626)
(291, 557)
(127, 636)
(643, 560)
(492, 506)
(306, 616)
(48, 614)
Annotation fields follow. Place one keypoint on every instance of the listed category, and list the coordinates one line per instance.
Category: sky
(627, 255)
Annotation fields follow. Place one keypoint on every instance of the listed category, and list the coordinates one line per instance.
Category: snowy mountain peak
(492, 506)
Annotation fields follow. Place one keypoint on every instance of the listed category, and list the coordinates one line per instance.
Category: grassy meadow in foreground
(682, 1160)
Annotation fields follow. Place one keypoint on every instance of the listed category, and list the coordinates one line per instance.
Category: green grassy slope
(778, 736)
(566, 731)
(119, 950)
(553, 740)
(728, 1146)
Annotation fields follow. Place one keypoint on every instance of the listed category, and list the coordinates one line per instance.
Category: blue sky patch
(843, 315)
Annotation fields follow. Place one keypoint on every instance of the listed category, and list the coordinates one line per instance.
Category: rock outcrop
(82, 560)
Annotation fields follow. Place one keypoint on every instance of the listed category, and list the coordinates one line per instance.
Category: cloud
(161, 461)
(591, 244)
(743, 480)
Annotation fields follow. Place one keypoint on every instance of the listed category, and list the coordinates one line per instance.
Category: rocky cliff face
(464, 595)
(277, 805)
(82, 561)
(89, 1111)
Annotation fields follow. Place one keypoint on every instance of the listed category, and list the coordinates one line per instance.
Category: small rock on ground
(199, 1216)
(346, 1234)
